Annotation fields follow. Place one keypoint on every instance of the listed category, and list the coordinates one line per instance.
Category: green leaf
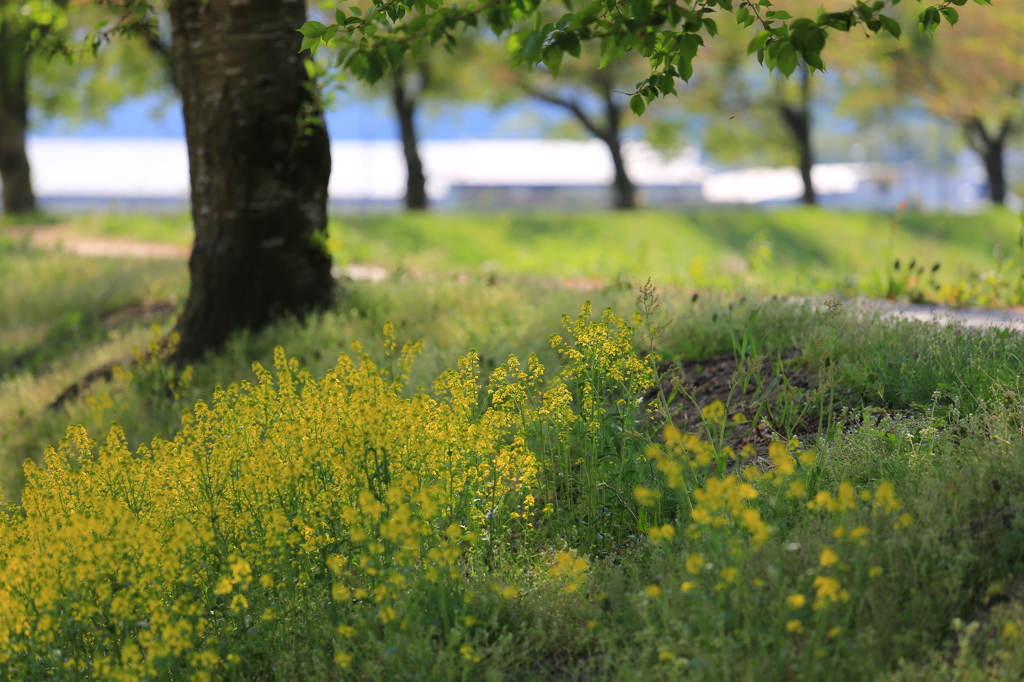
(758, 42)
(786, 60)
(778, 14)
(553, 59)
(637, 105)
(531, 47)
(952, 16)
(309, 44)
(312, 29)
(711, 27)
(891, 26)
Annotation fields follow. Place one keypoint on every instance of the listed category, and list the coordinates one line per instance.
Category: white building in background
(152, 174)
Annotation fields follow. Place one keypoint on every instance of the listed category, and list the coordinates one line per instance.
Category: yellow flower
(510, 592)
(701, 515)
(664, 655)
(645, 496)
(797, 489)
(835, 632)
(874, 571)
(694, 563)
(346, 631)
(591, 624)
(714, 412)
(729, 574)
(796, 601)
(904, 521)
(859, 532)
(808, 458)
(827, 590)
(343, 659)
(653, 591)
(687, 586)
(794, 625)
(828, 557)
(780, 457)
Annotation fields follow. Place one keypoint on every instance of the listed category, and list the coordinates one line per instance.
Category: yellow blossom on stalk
(835, 632)
(796, 601)
(874, 571)
(828, 557)
(794, 625)
(904, 521)
(714, 412)
(346, 631)
(796, 489)
(645, 496)
(343, 659)
(859, 532)
(752, 473)
(657, 534)
(808, 458)
(665, 655)
(687, 586)
(701, 515)
(652, 591)
(780, 457)
(510, 592)
(827, 590)
(729, 574)
(885, 497)
(847, 497)
(694, 563)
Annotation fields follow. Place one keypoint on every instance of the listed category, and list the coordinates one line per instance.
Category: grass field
(793, 492)
(782, 251)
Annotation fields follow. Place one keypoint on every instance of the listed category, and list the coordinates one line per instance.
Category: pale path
(976, 318)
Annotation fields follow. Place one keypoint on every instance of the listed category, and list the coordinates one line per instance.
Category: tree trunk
(15, 175)
(625, 192)
(405, 108)
(798, 121)
(259, 160)
(990, 148)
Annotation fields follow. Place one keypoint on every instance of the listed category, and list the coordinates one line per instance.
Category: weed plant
(516, 522)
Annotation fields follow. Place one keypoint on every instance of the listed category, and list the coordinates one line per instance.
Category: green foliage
(669, 35)
(332, 526)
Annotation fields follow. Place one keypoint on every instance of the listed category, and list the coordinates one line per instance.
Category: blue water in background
(349, 119)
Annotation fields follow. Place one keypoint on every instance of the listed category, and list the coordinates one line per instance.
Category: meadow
(475, 470)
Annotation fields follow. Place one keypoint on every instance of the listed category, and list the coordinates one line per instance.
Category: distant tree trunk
(259, 161)
(405, 108)
(625, 192)
(991, 149)
(15, 174)
(608, 131)
(798, 121)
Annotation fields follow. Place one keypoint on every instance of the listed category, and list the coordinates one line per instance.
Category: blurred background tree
(972, 76)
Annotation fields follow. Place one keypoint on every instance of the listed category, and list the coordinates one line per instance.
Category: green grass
(785, 250)
(936, 410)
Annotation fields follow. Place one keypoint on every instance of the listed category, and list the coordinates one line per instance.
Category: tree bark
(405, 108)
(798, 121)
(259, 161)
(625, 191)
(15, 174)
(991, 149)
